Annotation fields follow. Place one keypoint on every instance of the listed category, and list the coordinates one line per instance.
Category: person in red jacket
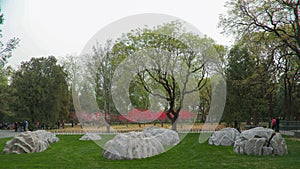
(273, 123)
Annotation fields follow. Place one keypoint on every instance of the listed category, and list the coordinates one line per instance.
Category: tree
(6, 50)
(70, 66)
(98, 70)
(249, 83)
(277, 17)
(6, 97)
(289, 78)
(41, 90)
(277, 24)
(138, 95)
(166, 59)
(205, 99)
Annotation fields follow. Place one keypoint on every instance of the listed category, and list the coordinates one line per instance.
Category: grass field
(69, 152)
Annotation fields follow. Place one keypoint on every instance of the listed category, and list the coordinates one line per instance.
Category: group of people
(60, 123)
(42, 126)
(21, 126)
(46, 126)
(275, 124)
(4, 126)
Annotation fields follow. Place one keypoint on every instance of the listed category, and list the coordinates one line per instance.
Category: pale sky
(62, 27)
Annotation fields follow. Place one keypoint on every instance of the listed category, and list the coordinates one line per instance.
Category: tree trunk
(174, 125)
(104, 102)
(271, 110)
(291, 114)
(173, 118)
(109, 99)
(287, 99)
(108, 128)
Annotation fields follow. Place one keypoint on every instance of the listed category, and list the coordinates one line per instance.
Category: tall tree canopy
(166, 59)
(6, 97)
(41, 90)
(278, 17)
(269, 29)
(249, 86)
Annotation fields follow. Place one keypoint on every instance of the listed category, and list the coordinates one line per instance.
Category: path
(8, 133)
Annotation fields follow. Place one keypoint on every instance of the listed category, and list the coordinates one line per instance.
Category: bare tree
(278, 17)
(170, 63)
(99, 70)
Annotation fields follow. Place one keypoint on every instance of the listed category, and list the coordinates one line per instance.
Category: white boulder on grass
(279, 145)
(224, 137)
(46, 136)
(30, 142)
(132, 145)
(260, 141)
(259, 132)
(90, 136)
(165, 136)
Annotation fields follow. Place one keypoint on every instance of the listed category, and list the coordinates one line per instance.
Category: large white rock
(257, 132)
(279, 145)
(30, 142)
(260, 141)
(90, 136)
(254, 146)
(224, 137)
(267, 151)
(165, 136)
(132, 145)
(46, 136)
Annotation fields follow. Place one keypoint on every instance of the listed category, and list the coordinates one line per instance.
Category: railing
(289, 125)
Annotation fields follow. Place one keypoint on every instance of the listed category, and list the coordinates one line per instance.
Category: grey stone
(258, 132)
(90, 136)
(165, 136)
(260, 141)
(224, 137)
(267, 150)
(279, 145)
(132, 145)
(254, 146)
(46, 136)
(239, 146)
(30, 142)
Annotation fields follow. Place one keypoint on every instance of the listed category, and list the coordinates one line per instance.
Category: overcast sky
(61, 27)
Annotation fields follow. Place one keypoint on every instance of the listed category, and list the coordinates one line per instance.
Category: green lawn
(69, 152)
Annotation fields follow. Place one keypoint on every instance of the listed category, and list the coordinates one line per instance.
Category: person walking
(58, 124)
(26, 125)
(16, 126)
(273, 123)
(277, 125)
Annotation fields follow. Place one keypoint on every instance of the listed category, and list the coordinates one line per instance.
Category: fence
(289, 125)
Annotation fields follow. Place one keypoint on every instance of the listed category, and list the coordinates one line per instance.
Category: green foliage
(270, 29)
(6, 49)
(249, 86)
(6, 97)
(170, 50)
(280, 18)
(139, 97)
(41, 90)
